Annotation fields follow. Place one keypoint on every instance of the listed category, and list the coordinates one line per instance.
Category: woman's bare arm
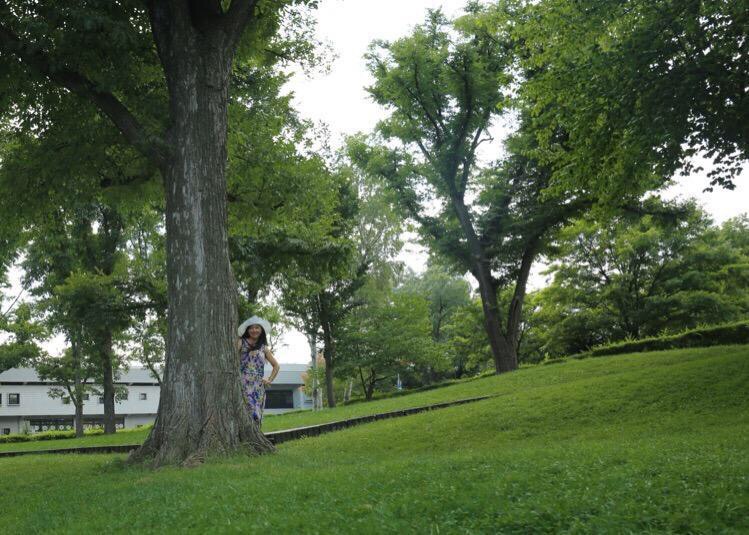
(273, 362)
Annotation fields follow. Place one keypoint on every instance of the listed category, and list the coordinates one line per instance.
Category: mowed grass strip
(642, 443)
(525, 379)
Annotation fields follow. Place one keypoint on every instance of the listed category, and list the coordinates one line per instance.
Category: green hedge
(56, 435)
(725, 334)
(45, 435)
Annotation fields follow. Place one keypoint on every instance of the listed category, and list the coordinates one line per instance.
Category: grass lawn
(652, 442)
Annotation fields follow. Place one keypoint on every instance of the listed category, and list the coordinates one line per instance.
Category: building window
(279, 399)
(101, 400)
(51, 424)
(85, 397)
(143, 396)
(97, 422)
(14, 399)
(1, 399)
(6, 430)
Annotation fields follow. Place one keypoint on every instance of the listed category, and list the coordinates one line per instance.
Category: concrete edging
(276, 437)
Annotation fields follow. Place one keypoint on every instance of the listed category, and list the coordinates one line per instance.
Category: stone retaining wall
(276, 437)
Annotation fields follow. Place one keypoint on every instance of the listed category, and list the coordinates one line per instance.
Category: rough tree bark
(504, 353)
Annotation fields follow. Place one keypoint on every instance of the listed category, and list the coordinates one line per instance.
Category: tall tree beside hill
(106, 54)
(637, 276)
(640, 87)
(444, 85)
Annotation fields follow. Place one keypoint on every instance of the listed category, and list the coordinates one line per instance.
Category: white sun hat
(254, 320)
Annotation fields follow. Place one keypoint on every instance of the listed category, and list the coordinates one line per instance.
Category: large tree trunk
(503, 352)
(201, 410)
(515, 312)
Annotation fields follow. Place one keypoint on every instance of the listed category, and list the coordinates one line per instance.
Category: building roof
(290, 374)
(29, 375)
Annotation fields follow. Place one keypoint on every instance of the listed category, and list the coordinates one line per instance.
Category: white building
(25, 402)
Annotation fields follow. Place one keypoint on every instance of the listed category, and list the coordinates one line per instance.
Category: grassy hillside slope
(643, 443)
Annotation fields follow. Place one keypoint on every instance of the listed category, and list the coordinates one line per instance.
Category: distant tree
(145, 283)
(444, 291)
(469, 346)
(145, 343)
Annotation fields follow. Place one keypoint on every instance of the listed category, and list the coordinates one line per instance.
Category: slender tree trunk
(362, 381)
(108, 385)
(78, 419)
(329, 390)
(312, 340)
(77, 388)
(201, 409)
(369, 391)
(328, 355)
(460, 369)
(349, 389)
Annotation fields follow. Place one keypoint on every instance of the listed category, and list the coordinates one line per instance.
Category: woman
(254, 352)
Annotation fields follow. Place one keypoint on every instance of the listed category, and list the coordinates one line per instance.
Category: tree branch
(151, 146)
(438, 127)
(239, 15)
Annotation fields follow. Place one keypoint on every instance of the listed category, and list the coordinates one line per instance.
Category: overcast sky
(339, 100)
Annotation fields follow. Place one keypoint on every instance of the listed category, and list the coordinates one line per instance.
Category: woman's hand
(266, 382)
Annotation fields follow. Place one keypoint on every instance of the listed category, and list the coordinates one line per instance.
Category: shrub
(725, 334)
(56, 435)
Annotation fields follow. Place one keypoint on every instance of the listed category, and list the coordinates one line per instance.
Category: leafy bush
(54, 435)
(728, 333)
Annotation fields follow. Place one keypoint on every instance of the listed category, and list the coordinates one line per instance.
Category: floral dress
(252, 366)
